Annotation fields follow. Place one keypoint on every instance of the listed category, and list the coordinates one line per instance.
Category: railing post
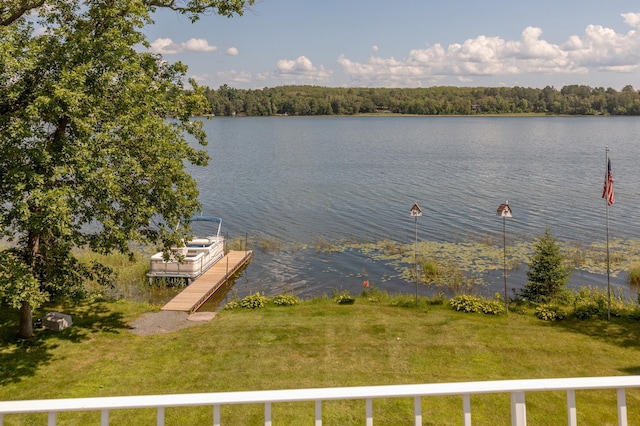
(571, 408)
(622, 407)
(417, 410)
(216, 415)
(160, 416)
(267, 414)
(466, 408)
(104, 418)
(318, 413)
(518, 409)
(52, 418)
(369, 412)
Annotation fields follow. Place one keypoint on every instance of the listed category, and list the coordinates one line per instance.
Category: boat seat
(199, 242)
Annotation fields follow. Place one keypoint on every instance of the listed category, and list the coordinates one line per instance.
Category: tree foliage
(92, 142)
(316, 100)
(12, 10)
(547, 274)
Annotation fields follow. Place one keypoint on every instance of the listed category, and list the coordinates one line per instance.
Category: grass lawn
(319, 343)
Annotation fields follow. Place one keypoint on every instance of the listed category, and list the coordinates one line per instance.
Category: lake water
(300, 180)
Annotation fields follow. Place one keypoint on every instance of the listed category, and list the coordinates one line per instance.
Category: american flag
(607, 191)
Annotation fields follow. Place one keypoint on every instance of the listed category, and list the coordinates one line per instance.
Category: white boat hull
(190, 261)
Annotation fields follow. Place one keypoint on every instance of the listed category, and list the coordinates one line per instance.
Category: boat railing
(515, 388)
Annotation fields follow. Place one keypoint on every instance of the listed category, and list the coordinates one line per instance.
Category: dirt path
(167, 321)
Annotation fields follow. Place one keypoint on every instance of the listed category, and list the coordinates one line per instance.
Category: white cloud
(598, 49)
(602, 48)
(300, 70)
(166, 46)
(197, 45)
(297, 66)
(233, 78)
(232, 51)
(631, 19)
(238, 77)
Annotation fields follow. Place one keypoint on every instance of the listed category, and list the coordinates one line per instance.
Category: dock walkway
(196, 293)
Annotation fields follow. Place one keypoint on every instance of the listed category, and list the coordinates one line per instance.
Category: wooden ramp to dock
(196, 293)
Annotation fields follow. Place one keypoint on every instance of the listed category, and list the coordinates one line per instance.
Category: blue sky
(409, 43)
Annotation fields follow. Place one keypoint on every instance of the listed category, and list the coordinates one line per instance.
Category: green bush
(591, 302)
(436, 300)
(285, 300)
(344, 298)
(403, 301)
(253, 301)
(234, 304)
(473, 304)
(466, 303)
(549, 313)
(587, 311)
(493, 307)
(588, 295)
(374, 294)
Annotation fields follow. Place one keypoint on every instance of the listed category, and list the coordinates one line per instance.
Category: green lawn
(320, 344)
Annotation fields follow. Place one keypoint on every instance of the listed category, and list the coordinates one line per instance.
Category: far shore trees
(436, 100)
(87, 155)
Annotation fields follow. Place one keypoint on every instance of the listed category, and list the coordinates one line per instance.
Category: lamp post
(505, 211)
(416, 212)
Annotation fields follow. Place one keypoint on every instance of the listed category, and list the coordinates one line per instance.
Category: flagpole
(606, 203)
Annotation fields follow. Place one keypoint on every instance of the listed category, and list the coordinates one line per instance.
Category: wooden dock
(196, 293)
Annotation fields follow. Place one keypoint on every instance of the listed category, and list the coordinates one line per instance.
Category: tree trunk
(26, 321)
(26, 314)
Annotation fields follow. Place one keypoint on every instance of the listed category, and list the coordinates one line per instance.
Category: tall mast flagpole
(606, 203)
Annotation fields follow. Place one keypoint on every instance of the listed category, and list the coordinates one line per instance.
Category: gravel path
(167, 321)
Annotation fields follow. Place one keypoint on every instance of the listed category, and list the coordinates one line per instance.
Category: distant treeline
(317, 100)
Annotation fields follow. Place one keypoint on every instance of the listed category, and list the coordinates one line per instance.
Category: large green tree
(548, 274)
(93, 140)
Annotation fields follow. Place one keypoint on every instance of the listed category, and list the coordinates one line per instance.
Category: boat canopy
(202, 218)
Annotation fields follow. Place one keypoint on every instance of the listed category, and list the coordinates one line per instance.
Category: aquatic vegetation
(430, 271)
(450, 267)
(479, 258)
(391, 247)
(269, 244)
(238, 243)
(475, 257)
(324, 246)
(623, 256)
(634, 276)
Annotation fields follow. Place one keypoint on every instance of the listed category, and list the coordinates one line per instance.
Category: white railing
(516, 388)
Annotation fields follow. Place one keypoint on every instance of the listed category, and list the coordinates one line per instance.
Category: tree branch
(9, 14)
(194, 8)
